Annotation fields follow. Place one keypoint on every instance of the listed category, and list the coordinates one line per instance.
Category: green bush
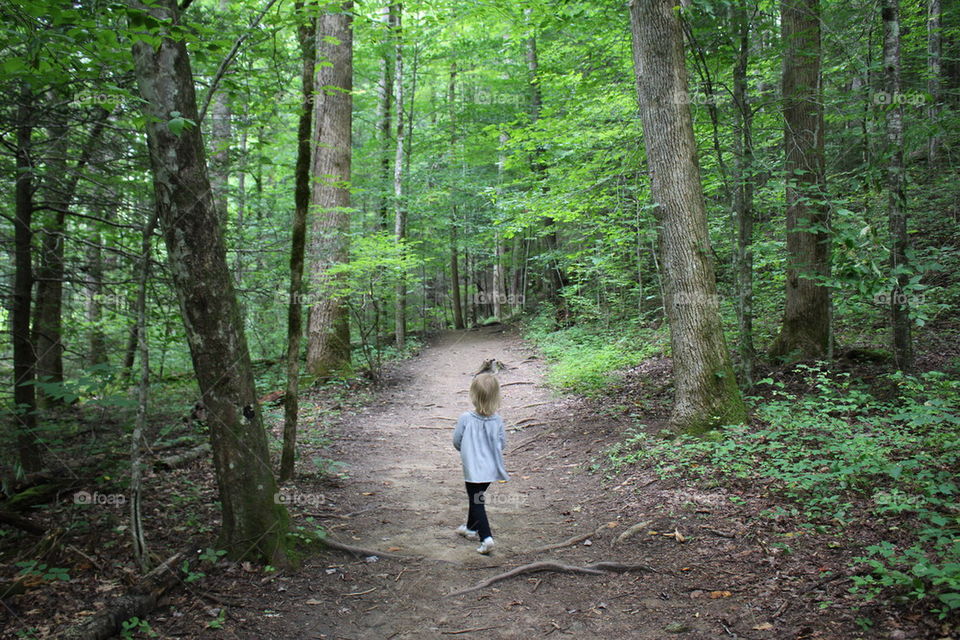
(585, 359)
(839, 447)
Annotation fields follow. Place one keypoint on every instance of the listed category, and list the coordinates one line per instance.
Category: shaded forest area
(732, 224)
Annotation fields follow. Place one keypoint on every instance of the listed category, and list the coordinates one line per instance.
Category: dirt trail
(405, 496)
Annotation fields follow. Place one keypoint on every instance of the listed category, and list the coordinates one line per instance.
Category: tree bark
(24, 359)
(743, 193)
(307, 36)
(220, 138)
(253, 523)
(934, 46)
(805, 330)
(900, 322)
(97, 340)
(138, 538)
(384, 107)
(706, 393)
(454, 250)
(400, 212)
(328, 346)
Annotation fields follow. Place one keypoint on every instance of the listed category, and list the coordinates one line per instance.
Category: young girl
(480, 439)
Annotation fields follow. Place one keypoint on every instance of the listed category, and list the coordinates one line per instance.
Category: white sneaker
(469, 534)
(485, 546)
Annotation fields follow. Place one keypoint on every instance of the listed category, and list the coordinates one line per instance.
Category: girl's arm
(458, 434)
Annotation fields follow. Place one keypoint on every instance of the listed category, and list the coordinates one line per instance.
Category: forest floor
(706, 565)
(711, 568)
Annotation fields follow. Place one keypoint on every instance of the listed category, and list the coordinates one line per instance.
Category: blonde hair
(485, 394)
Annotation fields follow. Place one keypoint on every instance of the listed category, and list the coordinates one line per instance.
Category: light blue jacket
(480, 441)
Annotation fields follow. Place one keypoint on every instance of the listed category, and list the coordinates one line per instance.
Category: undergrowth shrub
(585, 359)
(838, 449)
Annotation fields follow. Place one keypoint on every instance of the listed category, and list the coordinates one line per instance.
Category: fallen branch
(507, 384)
(180, 459)
(21, 523)
(137, 603)
(597, 568)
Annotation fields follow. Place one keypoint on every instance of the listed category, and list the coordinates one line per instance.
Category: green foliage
(839, 449)
(43, 571)
(136, 627)
(585, 359)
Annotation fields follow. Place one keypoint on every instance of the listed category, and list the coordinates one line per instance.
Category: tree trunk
(24, 396)
(307, 36)
(934, 45)
(900, 322)
(60, 185)
(138, 538)
(328, 346)
(384, 106)
(97, 341)
(743, 193)
(220, 138)
(253, 523)
(454, 257)
(805, 331)
(706, 394)
(400, 213)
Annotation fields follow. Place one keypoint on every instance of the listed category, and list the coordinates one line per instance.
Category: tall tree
(706, 392)
(896, 199)
(934, 48)
(24, 360)
(805, 329)
(454, 257)
(385, 105)
(743, 190)
(328, 345)
(400, 212)
(253, 523)
(307, 37)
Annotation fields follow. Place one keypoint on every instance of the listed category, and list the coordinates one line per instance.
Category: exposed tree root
(597, 568)
(361, 551)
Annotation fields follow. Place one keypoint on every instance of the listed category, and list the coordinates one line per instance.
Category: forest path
(405, 496)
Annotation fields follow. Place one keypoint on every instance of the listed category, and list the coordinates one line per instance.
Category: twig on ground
(517, 427)
(360, 593)
(508, 384)
(532, 439)
(631, 531)
(597, 568)
(571, 541)
(458, 632)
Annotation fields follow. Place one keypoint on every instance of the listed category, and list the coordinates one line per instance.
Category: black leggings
(477, 513)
